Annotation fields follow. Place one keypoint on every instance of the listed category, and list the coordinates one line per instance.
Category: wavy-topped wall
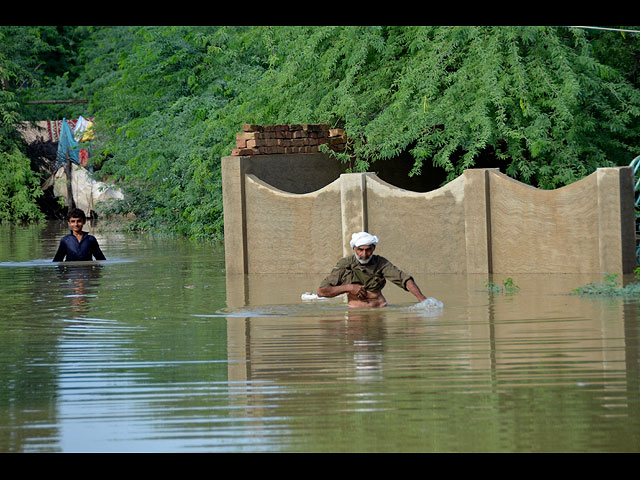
(482, 222)
(292, 233)
(556, 229)
(588, 226)
(423, 232)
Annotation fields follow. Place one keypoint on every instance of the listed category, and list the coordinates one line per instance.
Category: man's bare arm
(352, 288)
(413, 288)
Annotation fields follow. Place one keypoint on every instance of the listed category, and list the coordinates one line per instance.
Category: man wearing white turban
(363, 275)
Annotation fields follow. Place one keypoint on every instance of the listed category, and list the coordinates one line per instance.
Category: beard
(363, 262)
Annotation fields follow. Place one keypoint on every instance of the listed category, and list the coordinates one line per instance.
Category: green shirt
(372, 275)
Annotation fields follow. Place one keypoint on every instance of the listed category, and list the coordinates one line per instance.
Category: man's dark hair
(76, 213)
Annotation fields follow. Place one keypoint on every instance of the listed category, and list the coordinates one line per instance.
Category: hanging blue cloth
(68, 146)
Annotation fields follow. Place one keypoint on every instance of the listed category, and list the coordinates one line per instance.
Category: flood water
(155, 350)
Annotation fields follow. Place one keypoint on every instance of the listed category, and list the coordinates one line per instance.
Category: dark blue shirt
(78, 251)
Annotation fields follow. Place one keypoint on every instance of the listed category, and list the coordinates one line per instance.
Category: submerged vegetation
(508, 287)
(610, 287)
(546, 105)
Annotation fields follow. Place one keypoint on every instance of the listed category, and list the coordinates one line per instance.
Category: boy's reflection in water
(79, 281)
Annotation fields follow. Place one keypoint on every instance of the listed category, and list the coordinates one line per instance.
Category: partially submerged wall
(587, 226)
(482, 222)
(267, 228)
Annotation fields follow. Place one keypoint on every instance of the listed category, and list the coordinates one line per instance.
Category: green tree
(163, 122)
(19, 190)
(534, 100)
(548, 105)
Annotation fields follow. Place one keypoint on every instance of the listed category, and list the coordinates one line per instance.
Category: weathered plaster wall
(532, 229)
(289, 233)
(482, 222)
(424, 231)
(267, 228)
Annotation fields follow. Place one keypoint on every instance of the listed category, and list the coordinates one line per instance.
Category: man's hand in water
(413, 288)
(358, 291)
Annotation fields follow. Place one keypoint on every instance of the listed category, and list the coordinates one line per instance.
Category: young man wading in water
(78, 245)
(363, 275)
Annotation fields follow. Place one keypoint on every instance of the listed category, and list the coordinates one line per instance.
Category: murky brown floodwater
(155, 350)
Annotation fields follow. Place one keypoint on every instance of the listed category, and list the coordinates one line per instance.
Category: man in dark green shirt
(363, 275)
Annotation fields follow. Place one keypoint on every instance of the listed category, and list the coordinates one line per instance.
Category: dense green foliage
(34, 61)
(19, 188)
(547, 105)
(19, 49)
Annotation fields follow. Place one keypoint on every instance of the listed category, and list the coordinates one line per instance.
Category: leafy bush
(609, 287)
(19, 189)
(508, 287)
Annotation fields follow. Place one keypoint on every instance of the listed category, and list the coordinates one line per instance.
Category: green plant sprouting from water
(610, 287)
(508, 287)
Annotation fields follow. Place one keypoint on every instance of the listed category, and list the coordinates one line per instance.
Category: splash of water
(428, 304)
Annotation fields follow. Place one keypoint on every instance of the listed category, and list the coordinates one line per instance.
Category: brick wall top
(287, 138)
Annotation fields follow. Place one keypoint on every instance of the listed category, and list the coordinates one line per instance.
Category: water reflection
(514, 358)
(161, 351)
(79, 283)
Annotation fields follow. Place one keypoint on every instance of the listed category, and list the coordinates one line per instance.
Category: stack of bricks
(298, 138)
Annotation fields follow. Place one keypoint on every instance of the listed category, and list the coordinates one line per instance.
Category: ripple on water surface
(146, 354)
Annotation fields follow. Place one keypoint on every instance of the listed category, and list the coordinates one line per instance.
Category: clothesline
(54, 126)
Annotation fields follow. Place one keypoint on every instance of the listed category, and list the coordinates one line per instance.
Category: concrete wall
(482, 222)
(267, 228)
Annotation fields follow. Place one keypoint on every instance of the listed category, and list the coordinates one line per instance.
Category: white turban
(363, 238)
